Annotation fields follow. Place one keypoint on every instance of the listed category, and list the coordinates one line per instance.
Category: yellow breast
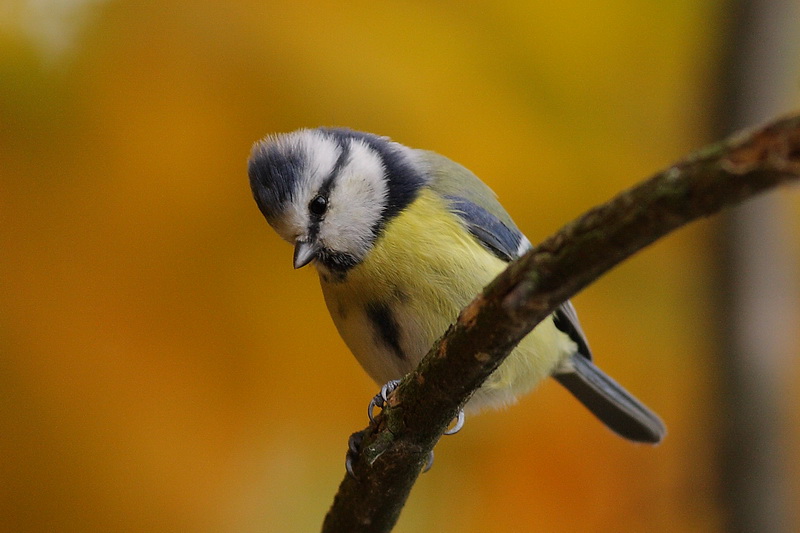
(422, 271)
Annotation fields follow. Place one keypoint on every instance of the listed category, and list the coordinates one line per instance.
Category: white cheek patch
(357, 202)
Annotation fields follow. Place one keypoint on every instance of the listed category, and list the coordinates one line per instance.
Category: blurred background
(163, 367)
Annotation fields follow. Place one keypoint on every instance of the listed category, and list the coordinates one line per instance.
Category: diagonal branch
(394, 451)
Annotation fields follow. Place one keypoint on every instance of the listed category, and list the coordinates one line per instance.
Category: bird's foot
(380, 399)
(354, 442)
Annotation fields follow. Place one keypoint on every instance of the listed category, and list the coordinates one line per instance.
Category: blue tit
(402, 240)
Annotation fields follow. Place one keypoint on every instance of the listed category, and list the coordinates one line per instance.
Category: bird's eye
(318, 205)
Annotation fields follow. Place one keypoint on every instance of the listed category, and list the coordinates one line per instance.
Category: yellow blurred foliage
(163, 368)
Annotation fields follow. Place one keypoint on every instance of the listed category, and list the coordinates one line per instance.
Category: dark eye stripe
(403, 180)
(325, 189)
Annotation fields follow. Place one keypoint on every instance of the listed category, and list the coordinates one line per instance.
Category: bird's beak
(304, 253)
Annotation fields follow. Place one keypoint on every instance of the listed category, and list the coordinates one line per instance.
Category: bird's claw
(353, 449)
(428, 463)
(459, 424)
(354, 442)
(380, 399)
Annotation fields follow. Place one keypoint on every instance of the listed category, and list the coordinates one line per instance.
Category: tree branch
(394, 451)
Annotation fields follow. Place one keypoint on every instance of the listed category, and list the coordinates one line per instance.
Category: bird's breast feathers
(422, 270)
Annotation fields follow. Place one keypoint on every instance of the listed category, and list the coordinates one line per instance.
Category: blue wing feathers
(504, 242)
(501, 240)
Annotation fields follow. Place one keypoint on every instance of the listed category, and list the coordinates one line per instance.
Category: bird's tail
(608, 401)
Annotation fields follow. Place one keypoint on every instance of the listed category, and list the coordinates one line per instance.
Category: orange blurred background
(163, 368)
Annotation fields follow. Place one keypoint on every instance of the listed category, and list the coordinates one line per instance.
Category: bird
(403, 239)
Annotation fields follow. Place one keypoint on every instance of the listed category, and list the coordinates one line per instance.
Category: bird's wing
(566, 319)
(486, 219)
(477, 206)
(508, 243)
(491, 232)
